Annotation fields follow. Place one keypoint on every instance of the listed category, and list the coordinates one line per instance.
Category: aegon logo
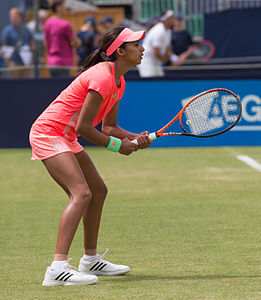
(251, 113)
(251, 108)
(211, 113)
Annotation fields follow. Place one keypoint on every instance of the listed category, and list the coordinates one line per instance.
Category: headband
(168, 13)
(126, 35)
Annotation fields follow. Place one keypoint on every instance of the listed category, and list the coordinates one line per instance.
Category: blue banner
(149, 105)
(146, 105)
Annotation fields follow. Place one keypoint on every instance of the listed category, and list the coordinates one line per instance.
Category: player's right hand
(127, 147)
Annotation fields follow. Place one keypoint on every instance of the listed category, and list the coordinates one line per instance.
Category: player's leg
(66, 171)
(92, 215)
(92, 263)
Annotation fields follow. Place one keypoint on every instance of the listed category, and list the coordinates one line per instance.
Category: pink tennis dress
(54, 130)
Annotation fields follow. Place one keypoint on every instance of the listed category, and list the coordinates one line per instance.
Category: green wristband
(114, 144)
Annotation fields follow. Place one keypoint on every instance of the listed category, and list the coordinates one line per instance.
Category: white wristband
(174, 58)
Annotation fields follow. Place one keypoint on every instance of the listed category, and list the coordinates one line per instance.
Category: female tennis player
(91, 98)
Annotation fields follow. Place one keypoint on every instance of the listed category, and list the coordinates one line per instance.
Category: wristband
(174, 58)
(114, 144)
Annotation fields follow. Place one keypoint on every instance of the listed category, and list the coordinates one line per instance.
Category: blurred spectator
(155, 19)
(148, 25)
(181, 41)
(38, 33)
(151, 22)
(60, 41)
(123, 23)
(43, 16)
(107, 22)
(16, 49)
(44, 4)
(157, 44)
(90, 39)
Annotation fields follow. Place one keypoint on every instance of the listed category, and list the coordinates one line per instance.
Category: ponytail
(96, 57)
(99, 55)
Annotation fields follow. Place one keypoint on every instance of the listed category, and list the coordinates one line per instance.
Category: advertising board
(149, 105)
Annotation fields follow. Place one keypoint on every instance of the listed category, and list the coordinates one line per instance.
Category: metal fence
(146, 9)
(213, 6)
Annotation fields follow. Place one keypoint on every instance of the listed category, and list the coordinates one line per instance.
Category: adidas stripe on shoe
(67, 275)
(101, 267)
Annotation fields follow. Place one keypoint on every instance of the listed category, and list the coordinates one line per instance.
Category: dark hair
(163, 13)
(55, 4)
(99, 54)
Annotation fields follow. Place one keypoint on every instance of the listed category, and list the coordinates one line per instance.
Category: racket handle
(152, 136)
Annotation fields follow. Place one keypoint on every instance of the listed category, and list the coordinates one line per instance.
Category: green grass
(187, 221)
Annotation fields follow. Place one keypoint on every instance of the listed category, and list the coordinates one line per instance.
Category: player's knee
(100, 192)
(84, 198)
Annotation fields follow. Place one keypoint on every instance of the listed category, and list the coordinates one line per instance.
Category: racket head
(204, 51)
(210, 113)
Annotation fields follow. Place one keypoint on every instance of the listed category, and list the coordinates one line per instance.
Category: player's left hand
(143, 140)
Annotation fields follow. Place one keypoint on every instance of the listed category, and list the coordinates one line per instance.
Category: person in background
(17, 45)
(38, 33)
(181, 41)
(107, 23)
(123, 23)
(92, 97)
(43, 16)
(148, 25)
(60, 42)
(155, 19)
(90, 39)
(157, 46)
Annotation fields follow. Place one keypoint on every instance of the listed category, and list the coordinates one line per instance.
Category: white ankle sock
(90, 257)
(56, 264)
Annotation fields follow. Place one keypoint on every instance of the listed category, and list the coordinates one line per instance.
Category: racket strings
(210, 113)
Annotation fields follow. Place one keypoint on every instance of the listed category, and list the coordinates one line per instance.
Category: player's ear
(120, 51)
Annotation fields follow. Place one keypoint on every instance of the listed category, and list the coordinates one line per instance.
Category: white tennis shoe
(101, 267)
(67, 275)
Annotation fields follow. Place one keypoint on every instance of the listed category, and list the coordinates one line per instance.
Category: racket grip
(152, 136)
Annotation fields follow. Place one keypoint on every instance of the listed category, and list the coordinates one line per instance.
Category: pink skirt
(46, 146)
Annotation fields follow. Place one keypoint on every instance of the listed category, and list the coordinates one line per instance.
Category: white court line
(250, 161)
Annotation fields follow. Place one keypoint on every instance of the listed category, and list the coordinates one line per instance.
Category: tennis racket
(208, 114)
(204, 51)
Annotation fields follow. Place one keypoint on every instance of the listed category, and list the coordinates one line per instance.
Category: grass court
(186, 220)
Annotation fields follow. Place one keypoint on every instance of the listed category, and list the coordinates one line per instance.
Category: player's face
(133, 53)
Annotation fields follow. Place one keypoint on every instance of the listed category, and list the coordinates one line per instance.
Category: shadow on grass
(133, 278)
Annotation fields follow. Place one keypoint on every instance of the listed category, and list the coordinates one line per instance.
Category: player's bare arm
(88, 112)
(85, 128)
